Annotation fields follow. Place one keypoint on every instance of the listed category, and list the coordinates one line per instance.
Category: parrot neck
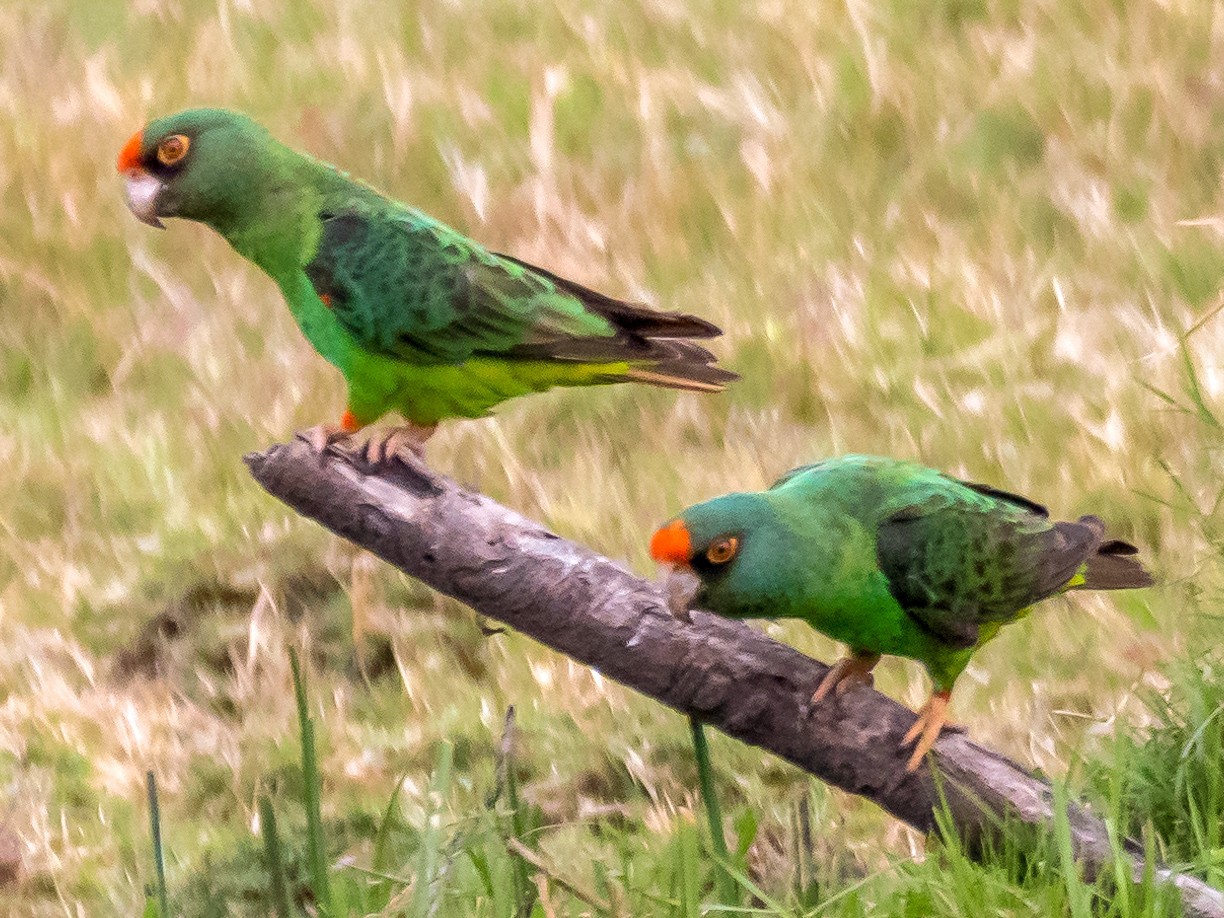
(277, 225)
(282, 236)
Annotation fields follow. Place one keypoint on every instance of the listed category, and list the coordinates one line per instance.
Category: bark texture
(729, 675)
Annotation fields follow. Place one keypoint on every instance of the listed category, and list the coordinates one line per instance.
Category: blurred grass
(946, 231)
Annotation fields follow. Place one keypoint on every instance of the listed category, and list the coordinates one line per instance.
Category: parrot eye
(172, 149)
(723, 550)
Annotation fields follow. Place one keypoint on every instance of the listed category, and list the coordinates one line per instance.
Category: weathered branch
(726, 673)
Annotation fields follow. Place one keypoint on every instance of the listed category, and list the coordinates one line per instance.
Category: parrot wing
(410, 288)
(957, 564)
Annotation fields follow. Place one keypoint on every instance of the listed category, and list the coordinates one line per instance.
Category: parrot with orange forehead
(888, 557)
(420, 319)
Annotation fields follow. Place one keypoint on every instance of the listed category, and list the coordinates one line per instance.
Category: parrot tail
(1112, 567)
(681, 365)
(654, 344)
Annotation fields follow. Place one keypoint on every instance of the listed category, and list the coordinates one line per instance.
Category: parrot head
(721, 555)
(201, 164)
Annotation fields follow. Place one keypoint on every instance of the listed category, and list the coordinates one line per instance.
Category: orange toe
(926, 728)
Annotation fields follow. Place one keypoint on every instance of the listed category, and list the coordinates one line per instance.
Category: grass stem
(312, 783)
(159, 861)
(724, 883)
(276, 864)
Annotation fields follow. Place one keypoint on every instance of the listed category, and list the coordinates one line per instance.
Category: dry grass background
(946, 231)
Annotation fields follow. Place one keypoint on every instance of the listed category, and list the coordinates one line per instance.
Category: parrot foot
(932, 719)
(386, 445)
(845, 674)
(321, 436)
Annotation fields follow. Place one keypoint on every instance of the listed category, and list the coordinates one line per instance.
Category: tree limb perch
(729, 675)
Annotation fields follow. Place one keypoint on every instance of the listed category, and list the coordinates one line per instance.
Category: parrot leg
(385, 445)
(321, 436)
(926, 728)
(845, 674)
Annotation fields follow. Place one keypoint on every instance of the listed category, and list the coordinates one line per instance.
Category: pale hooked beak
(141, 189)
(681, 588)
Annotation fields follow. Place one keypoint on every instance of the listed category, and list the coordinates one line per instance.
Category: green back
(870, 549)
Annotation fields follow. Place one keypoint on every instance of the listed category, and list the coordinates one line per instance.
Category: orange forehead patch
(129, 156)
(672, 544)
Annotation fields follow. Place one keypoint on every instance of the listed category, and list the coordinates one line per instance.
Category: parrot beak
(141, 190)
(140, 187)
(681, 588)
(672, 547)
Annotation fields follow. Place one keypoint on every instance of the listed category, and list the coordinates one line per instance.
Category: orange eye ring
(173, 149)
(723, 550)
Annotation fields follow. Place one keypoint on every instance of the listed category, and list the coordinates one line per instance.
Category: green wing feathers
(956, 565)
(407, 287)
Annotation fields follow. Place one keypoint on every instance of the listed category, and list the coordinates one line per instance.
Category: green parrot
(888, 557)
(420, 319)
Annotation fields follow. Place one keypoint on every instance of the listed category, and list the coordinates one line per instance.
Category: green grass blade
(1079, 895)
(159, 861)
(771, 905)
(382, 843)
(1195, 389)
(380, 895)
(727, 888)
(276, 864)
(315, 844)
(524, 890)
(423, 892)
(688, 869)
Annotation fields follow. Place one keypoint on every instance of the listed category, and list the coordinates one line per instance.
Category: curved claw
(386, 445)
(321, 436)
(926, 729)
(845, 674)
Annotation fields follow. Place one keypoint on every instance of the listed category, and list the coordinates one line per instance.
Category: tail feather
(1114, 572)
(630, 317)
(683, 377)
(654, 344)
(680, 365)
(1117, 547)
(1112, 566)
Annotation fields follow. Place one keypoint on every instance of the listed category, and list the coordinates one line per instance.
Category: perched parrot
(420, 319)
(887, 557)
